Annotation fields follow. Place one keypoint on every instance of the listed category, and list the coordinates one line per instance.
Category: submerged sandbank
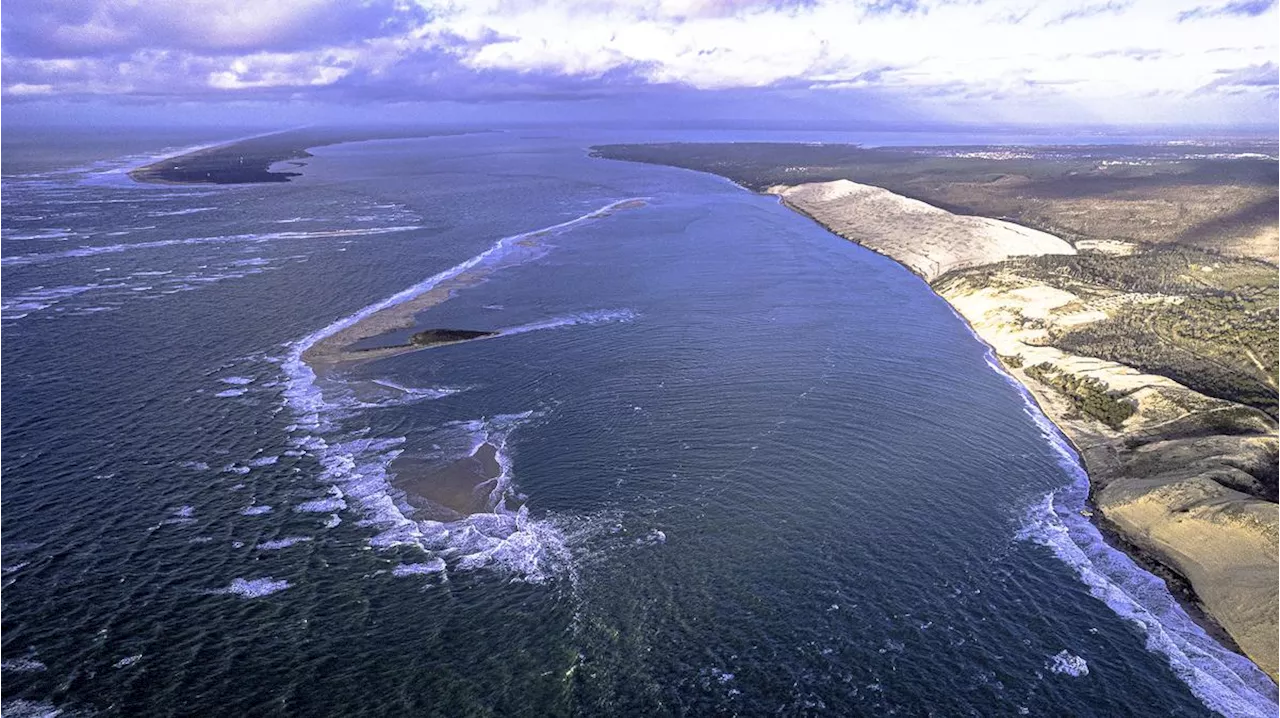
(451, 490)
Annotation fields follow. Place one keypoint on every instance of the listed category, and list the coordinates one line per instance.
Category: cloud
(80, 28)
(1112, 7)
(905, 7)
(1238, 8)
(1091, 60)
(1264, 76)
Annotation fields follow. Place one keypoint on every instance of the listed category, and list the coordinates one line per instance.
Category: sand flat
(452, 489)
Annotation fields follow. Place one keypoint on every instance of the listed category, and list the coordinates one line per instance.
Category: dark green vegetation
(1088, 395)
(1206, 321)
(1014, 360)
(248, 161)
(443, 336)
(1196, 302)
(1220, 197)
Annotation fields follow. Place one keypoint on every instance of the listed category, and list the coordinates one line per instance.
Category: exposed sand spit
(333, 346)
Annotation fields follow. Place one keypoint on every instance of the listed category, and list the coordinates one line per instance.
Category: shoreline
(1179, 587)
(249, 160)
(169, 169)
(1097, 454)
(399, 311)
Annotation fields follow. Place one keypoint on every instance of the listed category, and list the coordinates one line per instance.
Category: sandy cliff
(1177, 474)
(928, 240)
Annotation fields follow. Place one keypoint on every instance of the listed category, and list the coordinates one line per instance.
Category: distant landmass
(249, 161)
(1131, 289)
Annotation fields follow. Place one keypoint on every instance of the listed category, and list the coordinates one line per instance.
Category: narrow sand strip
(1174, 481)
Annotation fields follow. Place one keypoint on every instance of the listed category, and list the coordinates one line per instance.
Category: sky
(1048, 62)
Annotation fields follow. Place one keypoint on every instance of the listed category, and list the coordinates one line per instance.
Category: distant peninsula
(249, 161)
(1131, 289)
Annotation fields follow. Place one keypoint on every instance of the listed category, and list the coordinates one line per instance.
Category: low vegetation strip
(1089, 394)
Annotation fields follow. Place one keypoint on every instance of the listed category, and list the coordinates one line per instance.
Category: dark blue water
(747, 467)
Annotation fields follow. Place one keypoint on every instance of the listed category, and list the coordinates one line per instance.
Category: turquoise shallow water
(749, 468)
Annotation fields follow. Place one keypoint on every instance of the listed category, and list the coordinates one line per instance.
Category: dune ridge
(1180, 477)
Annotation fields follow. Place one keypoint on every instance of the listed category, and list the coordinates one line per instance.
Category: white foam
(95, 250)
(434, 392)
(653, 538)
(1223, 680)
(228, 393)
(254, 587)
(600, 316)
(1069, 664)
(504, 538)
(180, 212)
(255, 511)
(21, 708)
(236, 380)
(286, 542)
(435, 565)
(22, 665)
(41, 297)
(321, 506)
(127, 661)
(721, 675)
(43, 234)
(264, 461)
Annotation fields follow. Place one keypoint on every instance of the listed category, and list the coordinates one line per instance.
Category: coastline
(248, 160)
(1178, 585)
(1098, 452)
(334, 348)
(1136, 510)
(208, 164)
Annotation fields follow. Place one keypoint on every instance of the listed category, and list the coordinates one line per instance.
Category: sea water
(746, 466)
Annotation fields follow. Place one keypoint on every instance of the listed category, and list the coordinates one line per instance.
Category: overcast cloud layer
(954, 60)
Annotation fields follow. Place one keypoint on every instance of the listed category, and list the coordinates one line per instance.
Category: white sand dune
(928, 240)
(1176, 479)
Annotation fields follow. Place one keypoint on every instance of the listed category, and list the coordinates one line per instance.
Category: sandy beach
(1177, 481)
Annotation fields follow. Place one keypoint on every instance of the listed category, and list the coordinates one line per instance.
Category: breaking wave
(357, 467)
(604, 316)
(1223, 680)
(253, 587)
(95, 250)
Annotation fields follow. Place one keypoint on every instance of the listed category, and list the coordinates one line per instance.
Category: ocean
(744, 467)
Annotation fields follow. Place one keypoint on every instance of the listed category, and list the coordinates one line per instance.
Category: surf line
(358, 467)
(1224, 681)
(328, 345)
